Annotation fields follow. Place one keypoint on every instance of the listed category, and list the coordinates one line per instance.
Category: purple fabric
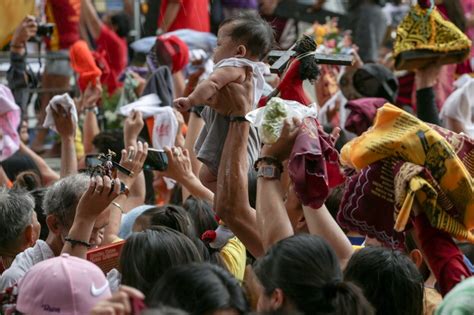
(362, 113)
(314, 164)
(242, 4)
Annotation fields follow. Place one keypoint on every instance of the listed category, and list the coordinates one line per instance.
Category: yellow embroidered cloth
(398, 134)
(427, 30)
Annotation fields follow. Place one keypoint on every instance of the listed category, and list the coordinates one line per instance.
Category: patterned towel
(430, 164)
(313, 165)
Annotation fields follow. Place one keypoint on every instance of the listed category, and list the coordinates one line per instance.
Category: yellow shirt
(234, 256)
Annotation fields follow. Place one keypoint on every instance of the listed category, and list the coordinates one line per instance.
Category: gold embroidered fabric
(426, 31)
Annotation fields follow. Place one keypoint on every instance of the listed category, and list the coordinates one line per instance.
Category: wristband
(269, 160)
(238, 119)
(77, 242)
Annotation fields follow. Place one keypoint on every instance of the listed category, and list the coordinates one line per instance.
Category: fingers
(132, 292)
(99, 187)
(92, 185)
(117, 187)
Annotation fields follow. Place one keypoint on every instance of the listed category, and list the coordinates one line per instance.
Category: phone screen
(156, 160)
(92, 160)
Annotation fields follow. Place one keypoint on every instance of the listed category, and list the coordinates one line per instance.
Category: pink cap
(62, 285)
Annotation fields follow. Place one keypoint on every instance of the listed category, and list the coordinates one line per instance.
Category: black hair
(307, 270)
(390, 280)
(201, 214)
(38, 194)
(147, 255)
(121, 21)
(174, 217)
(199, 289)
(110, 140)
(28, 180)
(250, 29)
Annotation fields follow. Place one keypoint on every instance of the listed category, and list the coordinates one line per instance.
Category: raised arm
(231, 200)
(272, 217)
(95, 201)
(89, 101)
(320, 222)
(180, 169)
(67, 130)
(90, 18)
(426, 108)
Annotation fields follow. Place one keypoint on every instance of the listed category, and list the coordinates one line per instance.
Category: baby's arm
(208, 88)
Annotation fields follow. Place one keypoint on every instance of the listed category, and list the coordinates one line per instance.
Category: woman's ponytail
(348, 299)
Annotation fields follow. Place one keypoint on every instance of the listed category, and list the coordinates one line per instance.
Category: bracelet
(118, 206)
(270, 160)
(238, 119)
(77, 242)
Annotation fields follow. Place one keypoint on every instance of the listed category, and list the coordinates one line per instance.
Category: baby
(242, 42)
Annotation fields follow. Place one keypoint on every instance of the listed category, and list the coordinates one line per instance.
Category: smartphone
(156, 160)
(92, 160)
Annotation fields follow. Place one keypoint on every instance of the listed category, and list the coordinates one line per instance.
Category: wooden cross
(279, 59)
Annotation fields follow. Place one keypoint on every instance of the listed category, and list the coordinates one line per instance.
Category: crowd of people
(222, 187)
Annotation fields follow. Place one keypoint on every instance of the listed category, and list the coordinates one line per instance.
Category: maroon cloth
(368, 203)
(406, 85)
(443, 256)
(314, 164)
(367, 206)
(362, 113)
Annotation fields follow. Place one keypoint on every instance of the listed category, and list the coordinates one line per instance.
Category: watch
(269, 172)
(92, 109)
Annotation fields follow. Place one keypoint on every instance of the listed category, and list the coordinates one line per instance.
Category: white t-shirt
(259, 70)
(460, 106)
(23, 262)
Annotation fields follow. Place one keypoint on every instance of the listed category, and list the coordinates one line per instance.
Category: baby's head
(244, 36)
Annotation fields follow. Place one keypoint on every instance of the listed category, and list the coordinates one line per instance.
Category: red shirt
(65, 15)
(443, 256)
(115, 51)
(194, 14)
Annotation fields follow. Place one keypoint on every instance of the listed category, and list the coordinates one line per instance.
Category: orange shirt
(194, 14)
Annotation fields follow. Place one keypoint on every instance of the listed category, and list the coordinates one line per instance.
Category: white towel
(66, 102)
(148, 105)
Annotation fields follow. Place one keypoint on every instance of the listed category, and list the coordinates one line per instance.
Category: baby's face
(226, 47)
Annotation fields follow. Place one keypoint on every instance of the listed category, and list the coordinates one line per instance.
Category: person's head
(60, 203)
(170, 51)
(18, 223)
(174, 217)
(201, 213)
(62, 285)
(119, 22)
(245, 36)
(199, 289)
(390, 280)
(109, 140)
(27, 180)
(458, 300)
(147, 255)
(302, 273)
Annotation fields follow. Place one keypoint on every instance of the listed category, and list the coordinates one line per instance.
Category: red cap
(175, 48)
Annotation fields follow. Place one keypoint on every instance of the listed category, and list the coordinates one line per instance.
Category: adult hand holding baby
(235, 99)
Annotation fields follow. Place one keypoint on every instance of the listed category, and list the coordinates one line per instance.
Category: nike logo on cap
(99, 291)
